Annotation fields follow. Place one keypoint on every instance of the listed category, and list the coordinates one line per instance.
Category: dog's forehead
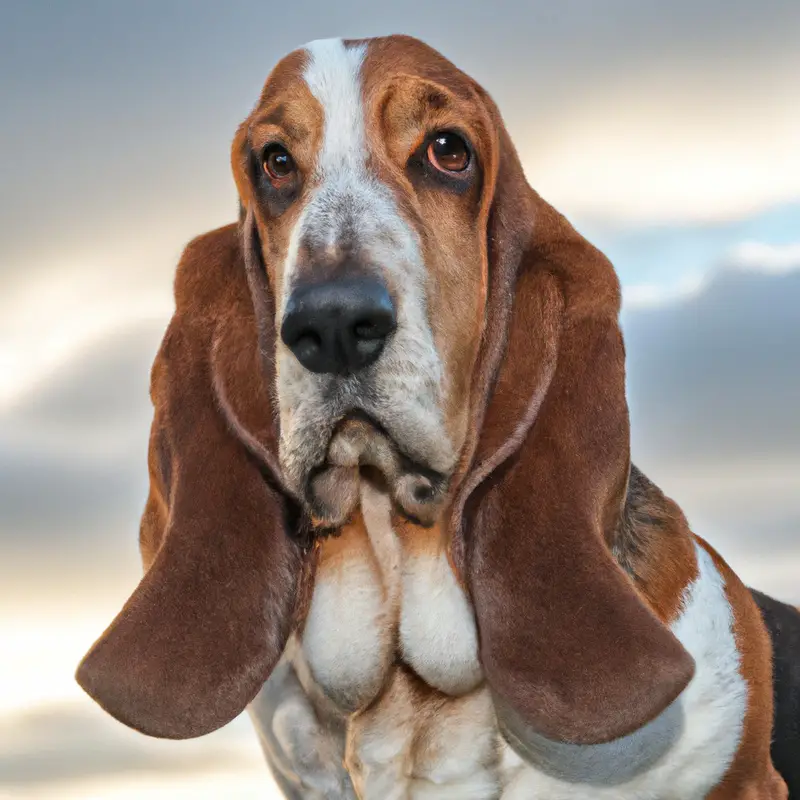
(338, 73)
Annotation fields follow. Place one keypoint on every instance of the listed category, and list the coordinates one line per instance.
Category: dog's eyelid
(272, 143)
(418, 159)
(452, 130)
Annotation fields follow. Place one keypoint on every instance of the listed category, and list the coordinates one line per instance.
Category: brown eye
(278, 164)
(448, 152)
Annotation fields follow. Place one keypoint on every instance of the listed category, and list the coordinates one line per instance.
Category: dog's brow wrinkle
(275, 116)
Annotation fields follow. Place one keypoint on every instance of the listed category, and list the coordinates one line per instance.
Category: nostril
(368, 329)
(368, 335)
(307, 345)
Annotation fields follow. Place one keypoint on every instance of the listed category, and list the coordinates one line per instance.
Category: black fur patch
(783, 623)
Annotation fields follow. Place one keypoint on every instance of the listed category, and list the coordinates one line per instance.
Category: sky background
(668, 133)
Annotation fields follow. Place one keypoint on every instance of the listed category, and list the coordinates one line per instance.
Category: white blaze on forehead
(333, 76)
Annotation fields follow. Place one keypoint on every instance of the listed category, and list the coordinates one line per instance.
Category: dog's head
(365, 174)
(397, 305)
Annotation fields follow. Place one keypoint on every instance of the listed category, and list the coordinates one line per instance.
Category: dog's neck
(653, 530)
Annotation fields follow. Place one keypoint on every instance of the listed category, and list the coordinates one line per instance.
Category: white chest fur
(430, 731)
(377, 595)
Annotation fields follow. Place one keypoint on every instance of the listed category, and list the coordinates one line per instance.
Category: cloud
(47, 321)
(714, 375)
(748, 256)
(60, 744)
(73, 453)
(230, 783)
(92, 400)
(675, 259)
(73, 456)
(764, 257)
(648, 295)
(659, 157)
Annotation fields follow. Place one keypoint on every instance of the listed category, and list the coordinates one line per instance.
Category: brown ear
(569, 649)
(209, 620)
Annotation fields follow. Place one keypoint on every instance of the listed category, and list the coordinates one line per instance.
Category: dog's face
(365, 176)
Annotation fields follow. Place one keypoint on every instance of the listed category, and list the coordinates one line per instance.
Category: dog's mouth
(361, 450)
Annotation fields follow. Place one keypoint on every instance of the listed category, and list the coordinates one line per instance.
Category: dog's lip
(407, 464)
(359, 450)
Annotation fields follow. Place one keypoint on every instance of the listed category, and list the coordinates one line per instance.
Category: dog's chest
(381, 595)
(390, 638)
(391, 641)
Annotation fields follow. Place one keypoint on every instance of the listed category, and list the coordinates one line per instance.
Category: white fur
(332, 75)
(347, 636)
(703, 727)
(415, 746)
(438, 635)
(459, 759)
(344, 635)
(308, 748)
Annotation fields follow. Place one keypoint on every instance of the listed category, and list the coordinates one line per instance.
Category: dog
(392, 508)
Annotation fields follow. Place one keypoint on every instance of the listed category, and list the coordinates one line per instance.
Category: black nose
(340, 326)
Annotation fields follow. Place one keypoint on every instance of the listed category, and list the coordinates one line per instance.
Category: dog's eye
(278, 164)
(448, 152)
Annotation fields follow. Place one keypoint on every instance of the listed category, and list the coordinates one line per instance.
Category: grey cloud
(716, 376)
(73, 453)
(46, 499)
(59, 744)
(69, 527)
(99, 391)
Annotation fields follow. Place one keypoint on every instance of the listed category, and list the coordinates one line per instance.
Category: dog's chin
(358, 451)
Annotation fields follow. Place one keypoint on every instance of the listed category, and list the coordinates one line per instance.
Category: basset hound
(392, 510)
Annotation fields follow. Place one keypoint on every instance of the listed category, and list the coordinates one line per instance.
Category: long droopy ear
(210, 618)
(570, 650)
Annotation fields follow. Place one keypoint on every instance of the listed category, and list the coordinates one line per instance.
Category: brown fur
(654, 546)
(210, 618)
(752, 775)
(288, 112)
(556, 418)
(573, 643)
